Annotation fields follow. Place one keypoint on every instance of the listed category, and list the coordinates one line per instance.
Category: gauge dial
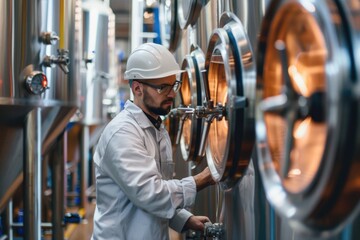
(36, 83)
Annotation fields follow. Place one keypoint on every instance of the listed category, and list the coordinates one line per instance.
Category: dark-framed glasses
(164, 88)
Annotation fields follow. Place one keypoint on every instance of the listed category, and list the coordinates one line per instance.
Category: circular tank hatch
(306, 114)
(188, 12)
(230, 94)
(191, 96)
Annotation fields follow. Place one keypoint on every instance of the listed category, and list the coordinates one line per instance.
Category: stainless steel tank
(228, 118)
(262, 204)
(250, 13)
(99, 88)
(36, 100)
(98, 68)
(227, 113)
(230, 71)
(230, 98)
(247, 214)
(62, 65)
(207, 21)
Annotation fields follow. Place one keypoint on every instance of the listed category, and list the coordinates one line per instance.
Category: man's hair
(131, 82)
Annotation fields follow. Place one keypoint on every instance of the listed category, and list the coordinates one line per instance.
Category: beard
(158, 110)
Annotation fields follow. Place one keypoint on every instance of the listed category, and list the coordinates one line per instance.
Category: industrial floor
(83, 230)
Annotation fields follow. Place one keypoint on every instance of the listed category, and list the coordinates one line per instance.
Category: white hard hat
(151, 61)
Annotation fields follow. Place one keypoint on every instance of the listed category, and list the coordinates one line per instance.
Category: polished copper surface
(191, 97)
(171, 124)
(219, 130)
(185, 92)
(307, 115)
(306, 54)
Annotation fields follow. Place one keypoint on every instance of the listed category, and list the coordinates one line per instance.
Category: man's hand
(196, 223)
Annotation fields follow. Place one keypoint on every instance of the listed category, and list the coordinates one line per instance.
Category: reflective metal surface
(207, 22)
(231, 85)
(32, 175)
(353, 12)
(305, 115)
(188, 12)
(169, 28)
(306, 69)
(171, 123)
(246, 209)
(7, 88)
(192, 95)
(312, 193)
(98, 53)
(63, 76)
(30, 37)
(250, 13)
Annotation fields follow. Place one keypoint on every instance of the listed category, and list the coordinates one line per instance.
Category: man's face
(159, 103)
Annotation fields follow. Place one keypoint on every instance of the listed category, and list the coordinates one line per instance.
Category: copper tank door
(307, 112)
(191, 96)
(230, 97)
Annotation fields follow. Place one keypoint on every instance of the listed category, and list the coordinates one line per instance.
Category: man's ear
(136, 88)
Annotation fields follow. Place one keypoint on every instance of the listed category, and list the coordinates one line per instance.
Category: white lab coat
(133, 199)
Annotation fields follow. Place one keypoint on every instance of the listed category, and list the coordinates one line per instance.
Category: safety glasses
(164, 88)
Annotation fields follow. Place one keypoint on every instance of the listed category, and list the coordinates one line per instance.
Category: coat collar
(140, 116)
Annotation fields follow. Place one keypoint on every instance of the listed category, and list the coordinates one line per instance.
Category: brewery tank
(98, 71)
(39, 72)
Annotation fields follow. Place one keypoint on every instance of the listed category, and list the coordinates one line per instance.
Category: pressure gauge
(36, 82)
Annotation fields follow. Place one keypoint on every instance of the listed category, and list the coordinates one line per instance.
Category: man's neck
(145, 110)
(155, 121)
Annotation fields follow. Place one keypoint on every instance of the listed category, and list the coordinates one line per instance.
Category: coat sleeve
(124, 158)
(178, 221)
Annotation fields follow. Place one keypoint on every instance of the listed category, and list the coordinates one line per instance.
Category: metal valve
(89, 58)
(209, 112)
(214, 231)
(49, 38)
(206, 111)
(62, 60)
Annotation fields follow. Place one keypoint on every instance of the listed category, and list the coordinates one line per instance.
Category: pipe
(85, 136)
(32, 175)
(10, 218)
(58, 189)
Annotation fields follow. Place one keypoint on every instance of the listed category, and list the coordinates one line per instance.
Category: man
(136, 197)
